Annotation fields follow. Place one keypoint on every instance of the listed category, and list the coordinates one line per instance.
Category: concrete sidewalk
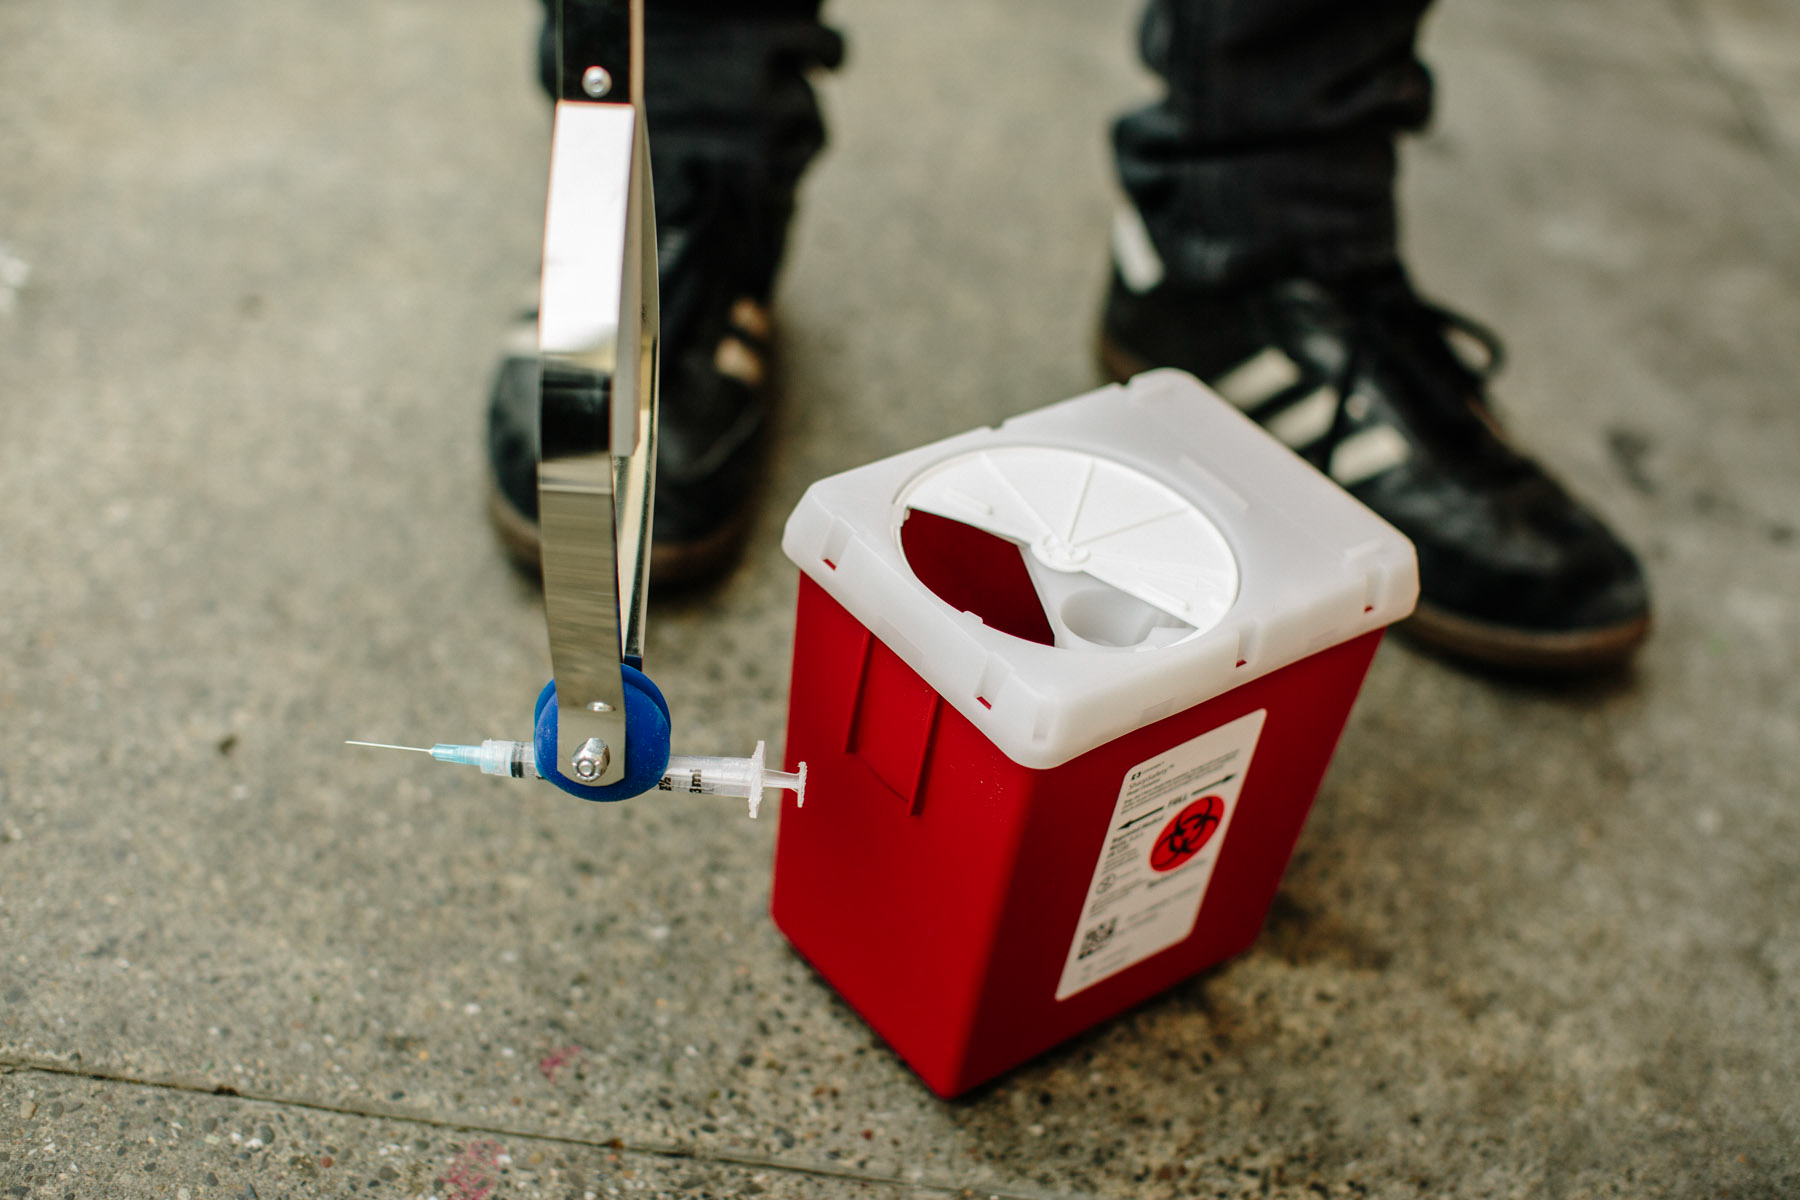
(253, 263)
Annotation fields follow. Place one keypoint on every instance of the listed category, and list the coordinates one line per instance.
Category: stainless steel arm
(597, 341)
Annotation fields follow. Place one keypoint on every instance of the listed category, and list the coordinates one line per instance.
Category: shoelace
(1394, 329)
(718, 242)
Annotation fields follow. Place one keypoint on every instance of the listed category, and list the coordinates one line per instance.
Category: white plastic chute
(1092, 526)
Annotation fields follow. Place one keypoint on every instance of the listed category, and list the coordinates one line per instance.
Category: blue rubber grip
(646, 740)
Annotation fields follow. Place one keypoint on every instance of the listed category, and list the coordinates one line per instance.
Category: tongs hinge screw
(591, 760)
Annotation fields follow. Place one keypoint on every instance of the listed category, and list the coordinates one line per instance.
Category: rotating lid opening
(1066, 548)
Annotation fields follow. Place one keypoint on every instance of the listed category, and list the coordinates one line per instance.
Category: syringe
(708, 775)
(704, 775)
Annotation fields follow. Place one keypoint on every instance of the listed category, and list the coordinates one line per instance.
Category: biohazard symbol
(1188, 833)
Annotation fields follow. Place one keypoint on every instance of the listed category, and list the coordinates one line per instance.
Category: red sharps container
(1066, 689)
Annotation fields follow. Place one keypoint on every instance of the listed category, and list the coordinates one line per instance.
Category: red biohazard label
(1156, 863)
(1188, 833)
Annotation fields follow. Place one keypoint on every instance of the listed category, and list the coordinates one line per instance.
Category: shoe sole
(1462, 637)
(1518, 650)
(670, 565)
(1118, 363)
(518, 536)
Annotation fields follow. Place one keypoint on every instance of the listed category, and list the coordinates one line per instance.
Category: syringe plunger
(710, 775)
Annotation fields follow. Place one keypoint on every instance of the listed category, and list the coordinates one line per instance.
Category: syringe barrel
(515, 760)
(709, 775)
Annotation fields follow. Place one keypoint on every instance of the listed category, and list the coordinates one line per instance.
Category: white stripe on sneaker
(1367, 453)
(1300, 425)
(1258, 378)
(1140, 266)
(735, 359)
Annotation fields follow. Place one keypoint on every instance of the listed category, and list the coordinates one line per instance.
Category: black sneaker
(717, 255)
(1364, 379)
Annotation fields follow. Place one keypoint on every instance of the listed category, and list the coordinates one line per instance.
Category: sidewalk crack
(668, 1150)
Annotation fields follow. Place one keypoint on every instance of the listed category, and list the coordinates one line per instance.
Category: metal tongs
(598, 347)
(601, 727)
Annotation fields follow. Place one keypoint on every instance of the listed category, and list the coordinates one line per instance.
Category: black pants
(1272, 153)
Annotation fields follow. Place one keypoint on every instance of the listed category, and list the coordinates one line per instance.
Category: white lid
(1177, 548)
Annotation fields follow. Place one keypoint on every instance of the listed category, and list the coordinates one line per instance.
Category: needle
(494, 758)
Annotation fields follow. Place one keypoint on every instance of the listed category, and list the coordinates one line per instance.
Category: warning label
(1168, 829)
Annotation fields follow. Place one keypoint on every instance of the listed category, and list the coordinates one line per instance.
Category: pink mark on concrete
(556, 1060)
(473, 1173)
